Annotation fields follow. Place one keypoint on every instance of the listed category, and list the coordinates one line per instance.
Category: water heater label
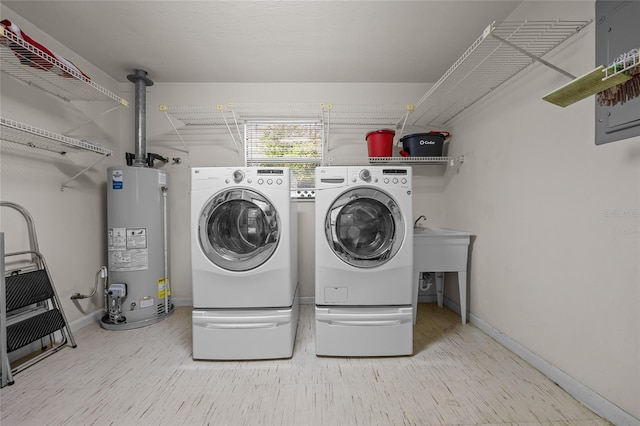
(146, 302)
(116, 179)
(161, 288)
(128, 260)
(128, 249)
(117, 238)
(136, 238)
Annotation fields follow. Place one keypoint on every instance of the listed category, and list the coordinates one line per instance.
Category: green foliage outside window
(297, 146)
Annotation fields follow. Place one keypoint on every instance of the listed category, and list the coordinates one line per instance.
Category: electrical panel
(617, 32)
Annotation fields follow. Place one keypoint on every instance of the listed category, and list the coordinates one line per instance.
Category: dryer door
(239, 229)
(364, 227)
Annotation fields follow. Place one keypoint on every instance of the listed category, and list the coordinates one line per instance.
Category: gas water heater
(138, 292)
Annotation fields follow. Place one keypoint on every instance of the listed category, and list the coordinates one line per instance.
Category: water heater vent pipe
(141, 81)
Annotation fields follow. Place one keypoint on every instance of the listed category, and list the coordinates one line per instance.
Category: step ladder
(30, 309)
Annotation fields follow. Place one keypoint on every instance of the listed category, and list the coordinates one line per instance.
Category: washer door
(239, 229)
(364, 227)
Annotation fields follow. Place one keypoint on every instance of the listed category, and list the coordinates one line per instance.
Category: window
(294, 144)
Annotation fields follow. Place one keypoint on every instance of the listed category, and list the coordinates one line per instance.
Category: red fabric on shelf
(31, 59)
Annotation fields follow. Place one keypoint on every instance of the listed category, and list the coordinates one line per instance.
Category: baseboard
(86, 320)
(585, 395)
(427, 298)
(307, 300)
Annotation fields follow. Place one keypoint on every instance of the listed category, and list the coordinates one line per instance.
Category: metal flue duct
(141, 81)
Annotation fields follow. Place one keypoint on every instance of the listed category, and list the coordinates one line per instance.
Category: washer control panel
(258, 177)
(382, 176)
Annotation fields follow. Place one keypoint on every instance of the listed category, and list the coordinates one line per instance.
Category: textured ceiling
(267, 41)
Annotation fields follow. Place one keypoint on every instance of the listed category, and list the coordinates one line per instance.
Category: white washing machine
(364, 261)
(244, 263)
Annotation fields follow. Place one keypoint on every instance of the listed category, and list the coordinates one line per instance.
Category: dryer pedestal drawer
(364, 331)
(244, 334)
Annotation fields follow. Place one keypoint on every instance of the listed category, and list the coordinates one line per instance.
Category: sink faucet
(415, 224)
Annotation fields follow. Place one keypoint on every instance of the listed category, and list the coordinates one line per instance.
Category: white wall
(555, 262)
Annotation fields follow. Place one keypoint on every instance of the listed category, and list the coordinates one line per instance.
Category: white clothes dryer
(364, 261)
(243, 262)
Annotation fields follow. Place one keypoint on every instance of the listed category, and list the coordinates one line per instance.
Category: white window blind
(293, 144)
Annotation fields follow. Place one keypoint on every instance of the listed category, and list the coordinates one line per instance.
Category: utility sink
(441, 250)
(434, 232)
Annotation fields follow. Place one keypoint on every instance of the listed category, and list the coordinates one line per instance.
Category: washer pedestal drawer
(244, 334)
(364, 331)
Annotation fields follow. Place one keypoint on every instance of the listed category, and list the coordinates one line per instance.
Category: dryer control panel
(267, 177)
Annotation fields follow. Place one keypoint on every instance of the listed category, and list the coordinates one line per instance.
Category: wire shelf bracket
(204, 116)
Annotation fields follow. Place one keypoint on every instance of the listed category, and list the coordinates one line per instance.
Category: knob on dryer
(238, 175)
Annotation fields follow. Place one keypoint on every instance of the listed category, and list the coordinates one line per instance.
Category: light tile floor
(458, 376)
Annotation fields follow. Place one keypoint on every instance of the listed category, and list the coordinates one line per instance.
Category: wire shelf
(360, 161)
(33, 137)
(234, 115)
(490, 62)
(26, 63)
(623, 64)
(379, 115)
(216, 115)
(339, 114)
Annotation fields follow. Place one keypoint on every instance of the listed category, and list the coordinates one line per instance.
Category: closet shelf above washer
(25, 62)
(331, 114)
(358, 161)
(450, 164)
(496, 56)
(232, 116)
